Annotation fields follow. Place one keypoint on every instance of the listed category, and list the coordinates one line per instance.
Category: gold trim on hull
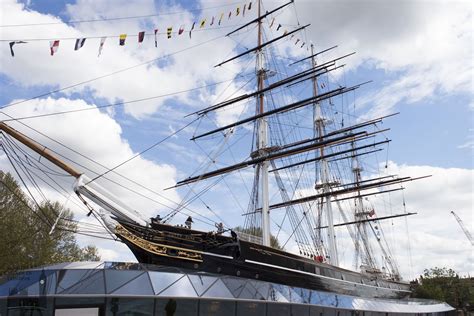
(158, 249)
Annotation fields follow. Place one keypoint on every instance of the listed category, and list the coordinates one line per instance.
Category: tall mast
(318, 125)
(262, 138)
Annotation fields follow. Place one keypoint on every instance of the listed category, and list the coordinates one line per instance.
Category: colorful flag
(237, 12)
(323, 85)
(156, 37)
(271, 23)
(212, 21)
(181, 29)
(304, 43)
(220, 19)
(122, 38)
(250, 5)
(297, 41)
(141, 36)
(291, 37)
(79, 43)
(243, 11)
(13, 43)
(230, 14)
(101, 45)
(372, 213)
(203, 22)
(192, 28)
(169, 31)
(279, 26)
(53, 46)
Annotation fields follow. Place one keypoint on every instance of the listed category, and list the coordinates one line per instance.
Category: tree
(25, 231)
(257, 231)
(444, 284)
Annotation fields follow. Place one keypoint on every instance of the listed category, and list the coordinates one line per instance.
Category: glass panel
(68, 302)
(176, 307)
(130, 306)
(162, 280)
(138, 286)
(201, 283)
(33, 306)
(91, 311)
(251, 308)
(278, 309)
(68, 278)
(276, 295)
(302, 310)
(182, 287)
(30, 283)
(234, 285)
(92, 284)
(117, 278)
(262, 288)
(249, 292)
(218, 289)
(217, 308)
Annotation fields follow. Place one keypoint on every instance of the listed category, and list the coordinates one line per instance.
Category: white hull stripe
(322, 276)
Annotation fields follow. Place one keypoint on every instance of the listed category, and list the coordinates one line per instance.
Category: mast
(262, 138)
(318, 125)
(360, 216)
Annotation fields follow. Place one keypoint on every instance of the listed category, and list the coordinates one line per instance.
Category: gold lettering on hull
(158, 249)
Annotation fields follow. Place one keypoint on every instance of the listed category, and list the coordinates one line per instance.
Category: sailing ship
(248, 252)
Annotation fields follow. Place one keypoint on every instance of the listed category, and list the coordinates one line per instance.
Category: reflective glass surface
(109, 279)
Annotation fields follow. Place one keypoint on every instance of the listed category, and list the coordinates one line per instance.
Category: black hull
(194, 250)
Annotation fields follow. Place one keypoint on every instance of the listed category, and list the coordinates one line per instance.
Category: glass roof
(132, 279)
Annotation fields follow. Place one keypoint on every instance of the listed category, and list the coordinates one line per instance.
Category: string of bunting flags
(79, 42)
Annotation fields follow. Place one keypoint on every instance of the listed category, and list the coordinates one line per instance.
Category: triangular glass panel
(92, 284)
(162, 280)
(181, 288)
(263, 289)
(218, 289)
(294, 296)
(68, 278)
(138, 286)
(249, 292)
(46, 284)
(117, 278)
(235, 285)
(201, 282)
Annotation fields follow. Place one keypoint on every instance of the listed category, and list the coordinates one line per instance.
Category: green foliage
(444, 284)
(24, 230)
(257, 231)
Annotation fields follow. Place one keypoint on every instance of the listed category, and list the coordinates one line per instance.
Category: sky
(418, 55)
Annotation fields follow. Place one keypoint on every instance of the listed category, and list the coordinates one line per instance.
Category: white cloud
(424, 45)
(178, 71)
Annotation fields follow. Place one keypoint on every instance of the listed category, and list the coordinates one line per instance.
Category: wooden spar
(329, 156)
(269, 87)
(260, 18)
(345, 191)
(314, 55)
(357, 155)
(286, 108)
(314, 76)
(300, 75)
(369, 220)
(368, 194)
(41, 150)
(262, 45)
(270, 156)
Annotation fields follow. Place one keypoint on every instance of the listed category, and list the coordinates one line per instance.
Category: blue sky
(417, 54)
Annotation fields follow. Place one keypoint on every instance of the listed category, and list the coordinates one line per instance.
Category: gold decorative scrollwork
(158, 249)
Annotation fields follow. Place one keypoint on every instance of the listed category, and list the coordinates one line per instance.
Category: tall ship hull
(168, 245)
